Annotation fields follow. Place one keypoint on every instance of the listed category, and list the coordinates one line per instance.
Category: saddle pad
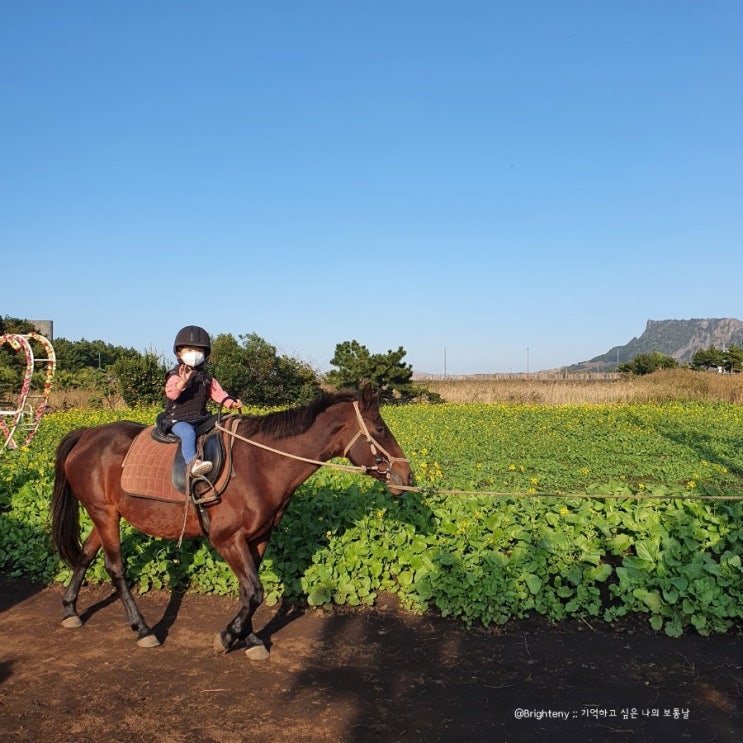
(147, 467)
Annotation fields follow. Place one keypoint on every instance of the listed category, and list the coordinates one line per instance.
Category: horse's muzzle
(397, 484)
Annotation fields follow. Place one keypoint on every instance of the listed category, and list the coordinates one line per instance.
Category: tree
(730, 361)
(76, 355)
(647, 363)
(734, 360)
(258, 375)
(16, 326)
(250, 369)
(141, 379)
(387, 373)
(709, 358)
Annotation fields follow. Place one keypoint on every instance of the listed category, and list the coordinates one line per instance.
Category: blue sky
(486, 184)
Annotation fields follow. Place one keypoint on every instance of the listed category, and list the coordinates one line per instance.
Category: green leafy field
(517, 541)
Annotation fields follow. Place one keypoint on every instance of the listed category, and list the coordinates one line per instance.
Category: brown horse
(271, 456)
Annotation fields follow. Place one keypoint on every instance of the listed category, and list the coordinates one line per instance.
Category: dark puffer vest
(191, 403)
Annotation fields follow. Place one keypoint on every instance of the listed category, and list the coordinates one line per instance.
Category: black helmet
(193, 335)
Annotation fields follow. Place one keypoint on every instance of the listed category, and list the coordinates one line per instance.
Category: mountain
(680, 339)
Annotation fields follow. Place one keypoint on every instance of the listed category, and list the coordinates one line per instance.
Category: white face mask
(192, 358)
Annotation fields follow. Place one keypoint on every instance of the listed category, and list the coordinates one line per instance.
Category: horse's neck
(322, 441)
(319, 443)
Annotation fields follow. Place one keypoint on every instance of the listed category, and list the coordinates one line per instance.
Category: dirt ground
(369, 675)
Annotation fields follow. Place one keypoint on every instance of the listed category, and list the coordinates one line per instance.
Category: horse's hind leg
(69, 600)
(145, 636)
(115, 568)
(111, 542)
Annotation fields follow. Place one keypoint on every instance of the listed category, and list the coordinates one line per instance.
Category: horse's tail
(65, 510)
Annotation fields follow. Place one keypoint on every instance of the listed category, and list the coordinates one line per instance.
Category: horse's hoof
(218, 645)
(72, 622)
(257, 652)
(148, 641)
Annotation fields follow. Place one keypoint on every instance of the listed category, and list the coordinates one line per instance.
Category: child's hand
(184, 374)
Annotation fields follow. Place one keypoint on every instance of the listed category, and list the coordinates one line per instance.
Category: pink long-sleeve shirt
(216, 391)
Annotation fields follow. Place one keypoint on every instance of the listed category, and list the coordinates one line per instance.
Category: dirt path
(372, 675)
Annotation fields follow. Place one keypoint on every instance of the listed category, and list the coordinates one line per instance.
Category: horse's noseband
(380, 461)
(383, 463)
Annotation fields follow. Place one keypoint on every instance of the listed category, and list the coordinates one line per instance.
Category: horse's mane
(294, 421)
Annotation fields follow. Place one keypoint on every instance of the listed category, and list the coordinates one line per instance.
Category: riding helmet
(193, 335)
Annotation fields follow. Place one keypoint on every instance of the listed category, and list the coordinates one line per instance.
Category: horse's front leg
(238, 556)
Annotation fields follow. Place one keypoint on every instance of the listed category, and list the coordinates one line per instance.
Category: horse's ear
(368, 395)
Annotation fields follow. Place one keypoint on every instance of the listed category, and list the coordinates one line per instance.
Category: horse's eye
(380, 429)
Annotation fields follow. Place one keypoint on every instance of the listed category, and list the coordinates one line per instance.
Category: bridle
(382, 464)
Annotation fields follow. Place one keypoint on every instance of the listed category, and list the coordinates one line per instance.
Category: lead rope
(492, 494)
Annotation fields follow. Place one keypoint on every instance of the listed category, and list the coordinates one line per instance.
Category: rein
(383, 464)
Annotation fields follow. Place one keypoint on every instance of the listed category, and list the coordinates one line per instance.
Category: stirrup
(205, 499)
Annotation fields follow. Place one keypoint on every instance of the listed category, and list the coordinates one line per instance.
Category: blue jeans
(187, 434)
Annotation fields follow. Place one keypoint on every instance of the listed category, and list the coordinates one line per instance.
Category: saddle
(153, 468)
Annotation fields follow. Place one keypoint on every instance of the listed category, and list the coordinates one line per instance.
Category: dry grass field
(544, 389)
(67, 399)
(669, 385)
